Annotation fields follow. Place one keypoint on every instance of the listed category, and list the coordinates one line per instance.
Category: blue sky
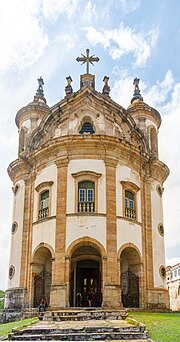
(131, 38)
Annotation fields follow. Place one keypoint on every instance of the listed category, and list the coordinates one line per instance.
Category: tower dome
(29, 117)
(146, 117)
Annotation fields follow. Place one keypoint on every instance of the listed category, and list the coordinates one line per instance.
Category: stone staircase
(82, 315)
(82, 325)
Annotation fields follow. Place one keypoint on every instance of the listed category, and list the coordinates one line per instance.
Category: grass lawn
(6, 328)
(162, 327)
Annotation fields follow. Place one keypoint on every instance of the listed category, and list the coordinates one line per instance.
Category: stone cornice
(158, 171)
(110, 149)
(44, 184)
(18, 169)
(85, 173)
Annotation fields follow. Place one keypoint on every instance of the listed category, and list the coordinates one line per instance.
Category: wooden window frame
(42, 187)
(132, 187)
(90, 176)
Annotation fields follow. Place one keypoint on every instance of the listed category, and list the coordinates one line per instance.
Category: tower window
(86, 194)
(11, 271)
(87, 128)
(130, 211)
(44, 205)
(14, 227)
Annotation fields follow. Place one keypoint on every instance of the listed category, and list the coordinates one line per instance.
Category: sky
(131, 37)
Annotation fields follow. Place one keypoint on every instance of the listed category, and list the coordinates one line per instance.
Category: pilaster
(112, 295)
(59, 286)
(148, 281)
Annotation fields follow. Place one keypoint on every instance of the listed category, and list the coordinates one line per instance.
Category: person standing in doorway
(79, 299)
(90, 297)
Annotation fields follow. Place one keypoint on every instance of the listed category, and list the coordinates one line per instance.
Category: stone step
(86, 329)
(78, 315)
(79, 336)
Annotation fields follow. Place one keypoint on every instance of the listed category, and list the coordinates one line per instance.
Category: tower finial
(106, 88)
(40, 91)
(137, 94)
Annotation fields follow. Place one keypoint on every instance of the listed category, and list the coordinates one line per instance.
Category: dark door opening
(87, 279)
(130, 290)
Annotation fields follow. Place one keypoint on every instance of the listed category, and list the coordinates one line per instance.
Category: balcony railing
(43, 213)
(130, 213)
(86, 207)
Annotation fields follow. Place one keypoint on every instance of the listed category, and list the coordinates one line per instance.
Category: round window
(161, 229)
(11, 271)
(162, 272)
(14, 227)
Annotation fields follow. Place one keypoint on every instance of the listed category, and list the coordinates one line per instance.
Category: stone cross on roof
(87, 59)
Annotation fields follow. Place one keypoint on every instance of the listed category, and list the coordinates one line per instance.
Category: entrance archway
(130, 277)
(42, 274)
(85, 275)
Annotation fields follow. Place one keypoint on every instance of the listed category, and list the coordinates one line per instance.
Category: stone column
(112, 295)
(58, 296)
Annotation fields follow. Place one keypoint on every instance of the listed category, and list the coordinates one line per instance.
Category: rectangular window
(44, 203)
(90, 195)
(126, 202)
(131, 204)
(82, 194)
(179, 272)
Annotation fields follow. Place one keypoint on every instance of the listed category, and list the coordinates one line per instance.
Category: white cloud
(128, 6)
(53, 8)
(89, 11)
(68, 40)
(123, 41)
(158, 93)
(22, 39)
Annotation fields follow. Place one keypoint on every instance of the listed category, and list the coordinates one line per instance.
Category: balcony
(130, 213)
(43, 213)
(86, 207)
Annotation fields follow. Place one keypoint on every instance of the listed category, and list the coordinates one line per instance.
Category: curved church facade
(87, 212)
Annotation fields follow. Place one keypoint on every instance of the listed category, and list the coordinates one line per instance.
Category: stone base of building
(58, 297)
(158, 299)
(15, 298)
(112, 296)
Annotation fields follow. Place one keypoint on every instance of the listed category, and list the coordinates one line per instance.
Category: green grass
(2, 294)
(162, 327)
(6, 328)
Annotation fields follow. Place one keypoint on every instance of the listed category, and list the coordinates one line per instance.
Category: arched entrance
(42, 274)
(85, 275)
(130, 277)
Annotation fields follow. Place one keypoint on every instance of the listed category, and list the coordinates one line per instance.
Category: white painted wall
(86, 165)
(124, 173)
(129, 232)
(44, 232)
(80, 226)
(46, 175)
(158, 240)
(16, 238)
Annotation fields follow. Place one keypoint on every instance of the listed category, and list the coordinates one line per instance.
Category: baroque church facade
(87, 212)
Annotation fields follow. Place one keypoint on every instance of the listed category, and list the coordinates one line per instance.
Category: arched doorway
(130, 277)
(42, 274)
(85, 275)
